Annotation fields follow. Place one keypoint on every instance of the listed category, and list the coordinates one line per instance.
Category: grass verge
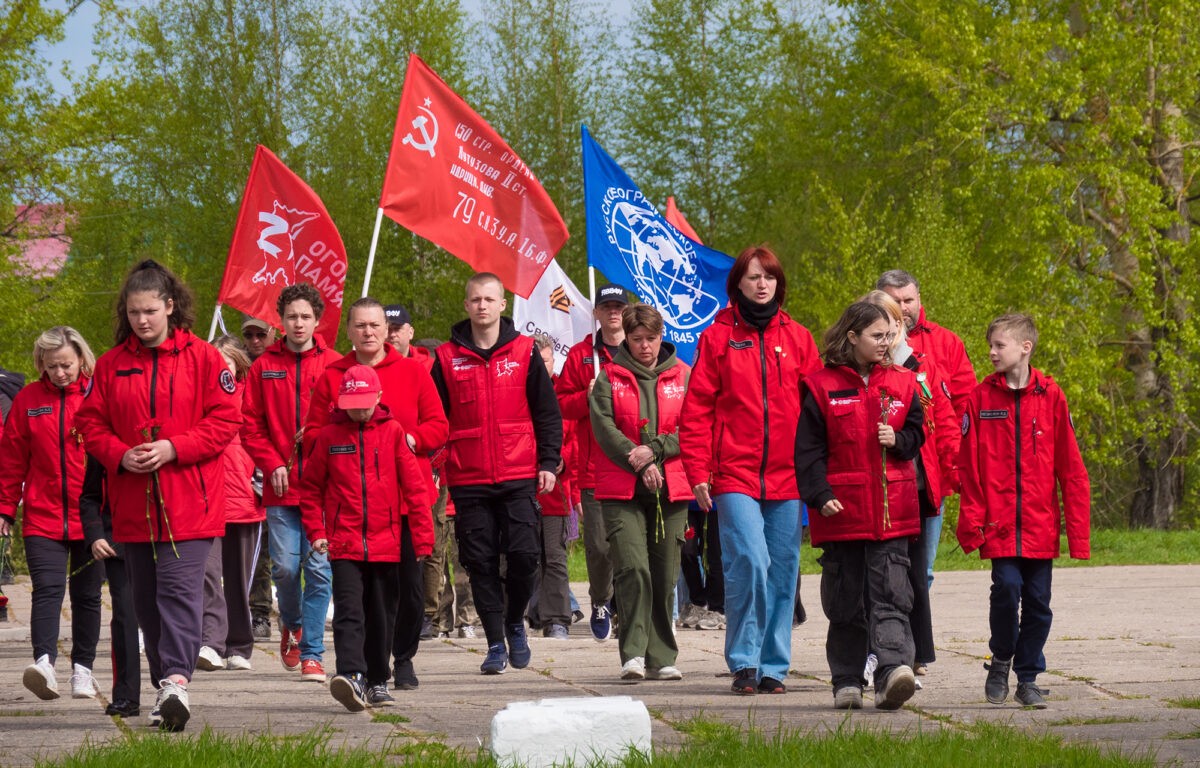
(710, 743)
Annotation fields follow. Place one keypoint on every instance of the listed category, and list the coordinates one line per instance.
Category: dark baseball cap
(396, 314)
(612, 292)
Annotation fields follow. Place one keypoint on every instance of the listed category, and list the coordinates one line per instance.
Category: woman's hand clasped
(148, 457)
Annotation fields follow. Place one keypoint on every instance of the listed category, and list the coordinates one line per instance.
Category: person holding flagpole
(573, 387)
(737, 435)
(504, 447)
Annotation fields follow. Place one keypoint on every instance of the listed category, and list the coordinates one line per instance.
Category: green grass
(1109, 547)
(1109, 720)
(389, 717)
(1188, 702)
(709, 743)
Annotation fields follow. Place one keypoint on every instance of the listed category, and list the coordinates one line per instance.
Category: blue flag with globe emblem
(634, 245)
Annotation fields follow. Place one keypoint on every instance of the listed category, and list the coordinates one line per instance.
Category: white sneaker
(467, 632)
(154, 719)
(237, 662)
(83, 685)
(869, 669)
(172, 705)
(39, 678)
(664, 673)
(209, 660)
(708, 620)
(634, 669)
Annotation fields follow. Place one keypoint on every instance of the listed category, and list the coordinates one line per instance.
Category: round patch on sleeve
(227, 382)
(966, 424)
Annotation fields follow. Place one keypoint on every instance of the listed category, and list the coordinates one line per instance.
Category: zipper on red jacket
(362, 473)
(762, 467)
(62, 457)
(154, 484)
(1017, 422)
(299, 451)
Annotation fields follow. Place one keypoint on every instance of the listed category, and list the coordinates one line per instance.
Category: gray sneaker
(899, 687)
(849, 697)
(1029, 695)
(995, 687)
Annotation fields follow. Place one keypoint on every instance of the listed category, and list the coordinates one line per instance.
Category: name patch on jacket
(589, 360)
(129, 371)
(343, 449)
(45, 410)
(843, 393)
(274, 374)
(997, 414)
(741, 344)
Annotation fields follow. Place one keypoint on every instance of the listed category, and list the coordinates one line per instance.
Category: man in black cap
(400, 335)
(574, 385)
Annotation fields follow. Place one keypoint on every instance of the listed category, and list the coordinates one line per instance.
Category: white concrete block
(585, 730)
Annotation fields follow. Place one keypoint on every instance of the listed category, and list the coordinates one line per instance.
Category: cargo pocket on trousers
(841, 597)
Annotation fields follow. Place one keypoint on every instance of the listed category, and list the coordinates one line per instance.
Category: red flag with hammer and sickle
(453, 180)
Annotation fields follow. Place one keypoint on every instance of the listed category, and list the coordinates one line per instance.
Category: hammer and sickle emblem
(421, 123)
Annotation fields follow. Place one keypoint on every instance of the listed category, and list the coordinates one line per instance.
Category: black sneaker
(496, 660)
(519, 654)
(261, 628)
(350, 691)
(1029, 695)
(405, 676)
(122, 708)
(427, 628)
(995, 688)
(378, 696)
(745, 681)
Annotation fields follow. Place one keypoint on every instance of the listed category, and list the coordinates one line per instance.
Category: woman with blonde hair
(42, 463)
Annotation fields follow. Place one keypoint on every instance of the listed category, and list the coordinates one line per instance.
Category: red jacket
(939, 453)
(183, 389)
(572, 390)
(946, 349)
(408, 393)
(492, 438)
(853, 467)
(360, 479)
(279, 388)
(618, 481)
(1018, 453)
(421, 355)
(241, 505)
(42, 451)
(738, 430)
(560, 501)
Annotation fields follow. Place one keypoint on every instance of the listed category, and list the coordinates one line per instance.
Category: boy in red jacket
(361, 477)
(1018, 453)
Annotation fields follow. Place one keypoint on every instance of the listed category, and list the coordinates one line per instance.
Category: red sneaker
(289, 648)
(311, 669)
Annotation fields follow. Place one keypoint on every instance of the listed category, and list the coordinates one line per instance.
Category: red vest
(618, 481)
(855, 466)
(491, 429)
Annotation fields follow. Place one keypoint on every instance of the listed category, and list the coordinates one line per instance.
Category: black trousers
(126, 660)
(921, 618)
(365, 596)
(867, 597)
(705, 583)
(486, 527)
(410, 605)
(49, 561)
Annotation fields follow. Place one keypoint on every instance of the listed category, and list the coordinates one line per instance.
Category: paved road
(1125, 642)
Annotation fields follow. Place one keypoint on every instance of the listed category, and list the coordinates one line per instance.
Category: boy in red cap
(361, 474)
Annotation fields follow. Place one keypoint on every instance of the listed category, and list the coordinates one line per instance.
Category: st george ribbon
(453, 180)
(633, 244)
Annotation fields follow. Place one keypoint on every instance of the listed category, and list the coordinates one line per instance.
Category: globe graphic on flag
(663, 265)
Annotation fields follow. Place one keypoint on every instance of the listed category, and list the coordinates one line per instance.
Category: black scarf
(757, 315)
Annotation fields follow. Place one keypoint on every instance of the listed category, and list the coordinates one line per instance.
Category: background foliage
(1033, 156)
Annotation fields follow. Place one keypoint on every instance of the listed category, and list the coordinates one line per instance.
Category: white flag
(558, 309)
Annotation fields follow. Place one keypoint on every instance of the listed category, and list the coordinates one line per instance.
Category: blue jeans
(1020, 613)
(300, 606)
(760, 554)
(931, 529)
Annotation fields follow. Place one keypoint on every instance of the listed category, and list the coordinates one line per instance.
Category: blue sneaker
(496, 661)
(519, 654)
(601, 623)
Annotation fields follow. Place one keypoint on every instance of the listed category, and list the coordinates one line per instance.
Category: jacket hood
(178, 339)
(1038, 381)
(280, 348)
(732, 316)
(666, 361)
(80, 385)
(381, 414)
(460, 334)
(346, 361)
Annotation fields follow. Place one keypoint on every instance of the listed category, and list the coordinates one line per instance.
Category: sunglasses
(254, 335)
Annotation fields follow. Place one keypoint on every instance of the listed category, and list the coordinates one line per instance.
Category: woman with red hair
(737, 435)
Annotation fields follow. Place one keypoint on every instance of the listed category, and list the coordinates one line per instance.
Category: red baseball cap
(360, 388)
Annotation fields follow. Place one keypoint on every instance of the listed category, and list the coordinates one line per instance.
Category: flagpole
(371, 254)
(212, 329)
(592, 298)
